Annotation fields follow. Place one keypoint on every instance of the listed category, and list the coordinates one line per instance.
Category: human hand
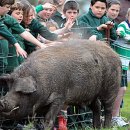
(49, 6)
(68, 25)
(20, 51)
(102, 27)
(42, 45)
(66, 35)
(118, 32)
(110, 24)
(93, 38)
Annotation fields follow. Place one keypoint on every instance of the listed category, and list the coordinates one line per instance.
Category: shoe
(118, 121)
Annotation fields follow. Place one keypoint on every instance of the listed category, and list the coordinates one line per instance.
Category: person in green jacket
(31, 24)
(97, 20)
(16, 12)
(80, 29)
(44, 16)
(6, 36)
(57, 16)
(9, 23)
(113, 9)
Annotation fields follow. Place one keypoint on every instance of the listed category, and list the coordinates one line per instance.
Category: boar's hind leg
(96, 109)
(107, 114)
(54, 109)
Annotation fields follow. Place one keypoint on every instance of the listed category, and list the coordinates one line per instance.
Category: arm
(66, 28)
(11, 39)
(43, 31)
(29, 37)
(16, 27)
(41, 7)
(20, 51)
(123, 31)
(6, 34)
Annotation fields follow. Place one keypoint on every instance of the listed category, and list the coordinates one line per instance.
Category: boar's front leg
(55, 107)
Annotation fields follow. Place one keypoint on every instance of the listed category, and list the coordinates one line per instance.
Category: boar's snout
(5, 109)
(5, 106)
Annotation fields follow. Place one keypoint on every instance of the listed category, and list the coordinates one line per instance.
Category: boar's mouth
(10, 112)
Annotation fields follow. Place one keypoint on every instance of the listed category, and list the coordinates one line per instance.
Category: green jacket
(8, 25)
(7, 22)
(12, 24)
(6, 34)
(94, 22)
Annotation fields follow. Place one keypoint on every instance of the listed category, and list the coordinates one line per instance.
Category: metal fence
(77, 118)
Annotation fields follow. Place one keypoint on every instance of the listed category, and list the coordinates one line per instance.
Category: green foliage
(125, 111)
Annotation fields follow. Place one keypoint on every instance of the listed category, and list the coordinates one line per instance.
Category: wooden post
(108, 34)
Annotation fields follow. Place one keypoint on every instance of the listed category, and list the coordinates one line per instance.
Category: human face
(113, 11)
(71, 14)
(18, 15)
(129, 17)
(60, 2)
(27, 18)
(4, 9)
(46, 13)
(98, 9)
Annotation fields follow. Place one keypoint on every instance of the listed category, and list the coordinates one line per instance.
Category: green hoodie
(94, 22)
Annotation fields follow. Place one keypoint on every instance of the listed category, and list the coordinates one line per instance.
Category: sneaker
(118, 121)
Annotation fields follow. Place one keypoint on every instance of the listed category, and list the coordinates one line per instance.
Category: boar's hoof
(48, 125)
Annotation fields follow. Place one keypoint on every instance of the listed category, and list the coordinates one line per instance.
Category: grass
(125, 111)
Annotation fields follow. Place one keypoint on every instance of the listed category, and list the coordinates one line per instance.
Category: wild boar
(75, 72)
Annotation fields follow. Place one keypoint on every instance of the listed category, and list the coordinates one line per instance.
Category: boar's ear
(25, 85)
(6, 78)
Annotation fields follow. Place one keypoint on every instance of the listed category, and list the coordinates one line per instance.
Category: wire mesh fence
(75, 121)
(77, 117)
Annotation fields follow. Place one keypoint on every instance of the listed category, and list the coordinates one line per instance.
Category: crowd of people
(24, 28)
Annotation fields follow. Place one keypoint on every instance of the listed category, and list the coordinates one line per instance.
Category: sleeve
(38, 8)
(12, 23)
(44, 32)
(124, 31)
(121, 28)
(113, 34)
(7, 35)
(91, 31)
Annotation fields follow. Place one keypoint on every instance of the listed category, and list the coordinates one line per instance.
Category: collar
(2, 17)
